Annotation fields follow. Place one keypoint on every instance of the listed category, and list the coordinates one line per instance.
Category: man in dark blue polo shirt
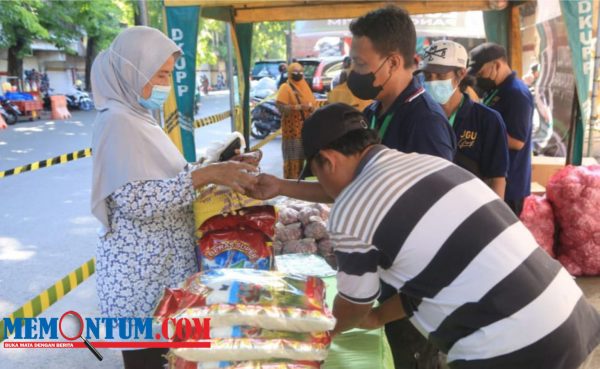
(509, 96)
(406, 117)
(480, 131)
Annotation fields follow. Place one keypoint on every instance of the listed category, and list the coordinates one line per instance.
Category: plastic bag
(255, 287)
(303, 246)
(176, 362)
(241, 248)
(255, 349)
(305, 214)
(288, 232)
(215, 200)
(575, 196)
(538, 217)
(316, 229)
(288, 215)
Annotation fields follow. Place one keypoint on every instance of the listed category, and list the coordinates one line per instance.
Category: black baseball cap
(326, 125)
(484, 53)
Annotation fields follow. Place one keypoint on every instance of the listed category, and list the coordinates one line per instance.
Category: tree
(100, 20)
(269, 41)
(212, 44)
(20, 25)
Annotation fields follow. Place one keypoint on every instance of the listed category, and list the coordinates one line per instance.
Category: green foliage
(100, 19)
(268, 41)
(20, 24)
(212, 41)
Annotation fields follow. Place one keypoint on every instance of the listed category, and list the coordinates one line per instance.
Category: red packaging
(258, 218)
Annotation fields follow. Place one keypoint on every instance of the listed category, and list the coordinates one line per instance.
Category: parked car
(266, 68)
(320, 72)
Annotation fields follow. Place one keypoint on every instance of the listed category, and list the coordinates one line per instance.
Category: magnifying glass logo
(79, 332)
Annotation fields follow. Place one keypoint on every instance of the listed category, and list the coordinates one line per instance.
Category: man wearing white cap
(482, 146)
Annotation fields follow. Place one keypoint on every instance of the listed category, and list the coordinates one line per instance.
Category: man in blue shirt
(480, 131)
(383, 57)
(509, 96)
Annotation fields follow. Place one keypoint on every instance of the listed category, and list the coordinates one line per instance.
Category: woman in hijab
(296, 102)
(143, 188)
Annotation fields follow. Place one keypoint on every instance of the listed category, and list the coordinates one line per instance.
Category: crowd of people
(427, 185)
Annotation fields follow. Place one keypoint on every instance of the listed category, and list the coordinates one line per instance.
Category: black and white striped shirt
(471, 277)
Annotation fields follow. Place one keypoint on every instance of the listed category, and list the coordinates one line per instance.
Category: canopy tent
(501, 25)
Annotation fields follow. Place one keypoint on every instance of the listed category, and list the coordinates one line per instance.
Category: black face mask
(361, 85)
(485, 84)
(297, 77)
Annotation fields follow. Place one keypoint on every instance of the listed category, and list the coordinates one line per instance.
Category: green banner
(182, 27)
(578, 17)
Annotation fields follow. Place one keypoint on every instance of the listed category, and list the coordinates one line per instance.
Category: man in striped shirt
(469, 275)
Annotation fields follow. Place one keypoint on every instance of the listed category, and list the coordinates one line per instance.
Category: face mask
(157, 98)
(361, 85)
(297, 77)
(441, 91)
(485, 84)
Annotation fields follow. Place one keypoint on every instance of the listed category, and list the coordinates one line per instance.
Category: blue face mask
(157, 99)
(441, 91)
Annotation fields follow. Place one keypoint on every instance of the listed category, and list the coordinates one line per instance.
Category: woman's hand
(231, 174)
(266, 187)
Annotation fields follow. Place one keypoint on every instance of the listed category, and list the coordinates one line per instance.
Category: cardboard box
(544, 167)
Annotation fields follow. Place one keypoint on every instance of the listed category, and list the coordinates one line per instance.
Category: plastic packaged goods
(258, 218)
(246, 349)
(239, 248)
(247, 297)
(176, 362)
(255, 287)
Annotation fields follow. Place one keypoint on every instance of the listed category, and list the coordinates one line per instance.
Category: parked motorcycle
(10, 112)
(265, 119)
(10, 119)
(79, 100)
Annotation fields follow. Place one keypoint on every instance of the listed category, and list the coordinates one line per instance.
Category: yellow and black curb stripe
(267, 139)
(203, 122)
(61, 159)
(44, 300)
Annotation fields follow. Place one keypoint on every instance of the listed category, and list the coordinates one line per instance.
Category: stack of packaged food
(258, 319)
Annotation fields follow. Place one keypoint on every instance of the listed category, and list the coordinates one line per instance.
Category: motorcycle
(79, 100)
(10, 112)
(265, 119)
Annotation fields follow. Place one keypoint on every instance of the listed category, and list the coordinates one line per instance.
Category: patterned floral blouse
(150, 245)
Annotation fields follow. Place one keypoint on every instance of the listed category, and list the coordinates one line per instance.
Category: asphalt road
(46, 229)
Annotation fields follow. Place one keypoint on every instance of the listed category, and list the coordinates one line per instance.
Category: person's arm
(390, 310)
(498, 185)
(349, 315)
(357, 280)
(515, 144)
(269, 186)
(145, 199)
(518, 120)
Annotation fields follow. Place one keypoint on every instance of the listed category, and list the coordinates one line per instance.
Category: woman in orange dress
(295, 102)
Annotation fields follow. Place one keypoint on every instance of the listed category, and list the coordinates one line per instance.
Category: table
(357, 348)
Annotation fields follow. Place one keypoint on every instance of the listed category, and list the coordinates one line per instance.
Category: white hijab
(128, 145)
